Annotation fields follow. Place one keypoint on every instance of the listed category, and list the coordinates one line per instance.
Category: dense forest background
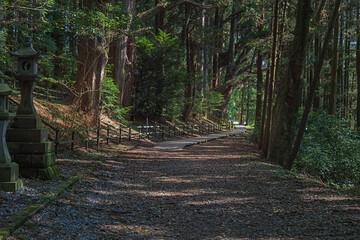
(290, 68)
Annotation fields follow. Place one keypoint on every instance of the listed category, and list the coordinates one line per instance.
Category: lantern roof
(27, 50)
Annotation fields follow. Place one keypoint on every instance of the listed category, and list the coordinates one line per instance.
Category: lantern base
(27, 122)
(11, 186)
(48, 173)
(9, 177)
(27, 135)
(35, 159)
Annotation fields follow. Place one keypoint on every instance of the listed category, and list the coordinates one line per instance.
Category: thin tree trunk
(160, 71)
(191, 69)
(334, 64)
(290, 161)
(264, 107)
(259, 83)
(216, 68)
(266, 135)
(358, 68)
(248, 102)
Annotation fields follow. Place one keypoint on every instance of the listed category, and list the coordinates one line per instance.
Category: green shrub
(330, 150)
(208, 102)
(109, 100)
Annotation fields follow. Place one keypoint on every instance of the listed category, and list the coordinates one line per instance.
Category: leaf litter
(216, 190)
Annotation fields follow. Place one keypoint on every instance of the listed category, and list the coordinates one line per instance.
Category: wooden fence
(119, 134)
(45, 90)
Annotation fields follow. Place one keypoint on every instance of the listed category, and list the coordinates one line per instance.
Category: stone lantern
(27, 138)
(9, 171)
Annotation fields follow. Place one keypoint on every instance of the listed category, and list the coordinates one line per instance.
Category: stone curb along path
(182, 143)
(19, 218)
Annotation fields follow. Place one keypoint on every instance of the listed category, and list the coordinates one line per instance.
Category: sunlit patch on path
(215, 190)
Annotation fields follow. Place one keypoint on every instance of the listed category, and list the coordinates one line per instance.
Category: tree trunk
(216, 68)
(334, 64)
(191, 71)
(289, 98)
(91, 67)
(264, 107)
(358, 69)
(160, 71)
(266, 136)
(102, 60)
(290, 161)
(122, 56)
(259, 84)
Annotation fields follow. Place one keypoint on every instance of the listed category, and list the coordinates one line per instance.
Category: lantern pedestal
(9, 177)
(27, 138)
(9, 171)
(35, 154)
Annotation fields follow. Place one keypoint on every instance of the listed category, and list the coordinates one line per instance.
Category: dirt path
(215, 190)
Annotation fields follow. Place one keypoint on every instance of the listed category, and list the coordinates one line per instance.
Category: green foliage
(95, 19)
(109, 100)
(208, 102)
(330, 150)
(160, 77)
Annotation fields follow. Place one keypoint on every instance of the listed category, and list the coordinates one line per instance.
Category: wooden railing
(45, 91)
(86, 135)
(119, 134)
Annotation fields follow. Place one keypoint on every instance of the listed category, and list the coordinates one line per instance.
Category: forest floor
(215, 190)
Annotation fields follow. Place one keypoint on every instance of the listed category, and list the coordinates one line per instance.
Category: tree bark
(216, 65)
(264, 107)
(289, 98)
(160, 71)
(266, 136)
(259, 85)
(334, 64)
(290, 161)
(190, 68)
(91, 67)
(358, 68)
(122, 56)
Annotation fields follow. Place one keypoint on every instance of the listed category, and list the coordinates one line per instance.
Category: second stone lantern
(27, 138)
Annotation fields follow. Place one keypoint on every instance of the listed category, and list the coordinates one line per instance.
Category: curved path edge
(182, 143)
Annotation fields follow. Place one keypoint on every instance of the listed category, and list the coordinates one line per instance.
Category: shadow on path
(216, 190)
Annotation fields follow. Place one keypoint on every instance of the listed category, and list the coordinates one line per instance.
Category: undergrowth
(330, 150)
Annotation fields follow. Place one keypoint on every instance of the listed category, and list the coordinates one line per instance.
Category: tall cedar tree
(289, 98)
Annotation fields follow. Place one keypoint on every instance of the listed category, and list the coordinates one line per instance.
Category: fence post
(169, 133)
(107, 135)
(174, 130)
(72, 139)
(119, 136)
(98, 136)
(87, 140)
(56, 140)
(155, 131)
(129, 134)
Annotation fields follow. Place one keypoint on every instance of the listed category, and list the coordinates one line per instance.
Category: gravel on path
(216, 190)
